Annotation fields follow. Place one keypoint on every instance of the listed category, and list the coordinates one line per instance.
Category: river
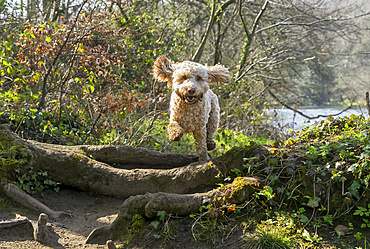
(289, 120)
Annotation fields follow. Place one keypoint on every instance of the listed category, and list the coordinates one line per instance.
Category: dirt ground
(87, 212)
(91, 211)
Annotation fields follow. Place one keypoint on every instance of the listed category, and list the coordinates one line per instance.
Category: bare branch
(211, 22)
(301, 113)
(44, 92)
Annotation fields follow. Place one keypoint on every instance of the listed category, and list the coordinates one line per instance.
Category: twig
(43, 95)
(368, 105)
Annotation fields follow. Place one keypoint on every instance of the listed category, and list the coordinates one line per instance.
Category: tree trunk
(212, 19)
(126, 171)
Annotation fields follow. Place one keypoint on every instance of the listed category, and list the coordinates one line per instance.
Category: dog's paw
(175, 136)
(211, 145)
(175, 132)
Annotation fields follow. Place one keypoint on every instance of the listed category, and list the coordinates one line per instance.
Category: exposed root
(149, 204)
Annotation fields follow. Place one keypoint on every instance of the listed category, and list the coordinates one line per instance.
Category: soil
(88, 211)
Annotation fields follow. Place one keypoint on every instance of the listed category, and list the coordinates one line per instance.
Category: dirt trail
(87, 212)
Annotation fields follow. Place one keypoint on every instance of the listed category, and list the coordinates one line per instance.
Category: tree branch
(301, 113)
(211, 22)
(44, 92)
(249, 36)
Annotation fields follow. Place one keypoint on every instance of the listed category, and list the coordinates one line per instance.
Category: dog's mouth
(191, 99)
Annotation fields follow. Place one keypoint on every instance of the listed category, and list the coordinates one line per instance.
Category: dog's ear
(162, 70)
(218, 74)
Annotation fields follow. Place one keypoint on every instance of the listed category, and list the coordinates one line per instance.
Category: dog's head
(189, 80)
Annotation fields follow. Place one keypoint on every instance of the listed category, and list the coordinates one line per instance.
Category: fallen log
(124, 171)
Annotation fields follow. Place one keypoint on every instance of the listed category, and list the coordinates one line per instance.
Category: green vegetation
(84, 77)
(311, 183)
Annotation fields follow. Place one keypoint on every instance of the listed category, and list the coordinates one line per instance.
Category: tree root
(17, 195)
(124, 171)
(149, 204)
(21, 228)
(13, 223)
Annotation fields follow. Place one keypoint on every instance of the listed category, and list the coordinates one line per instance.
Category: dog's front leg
(175, 131)
(200, 137)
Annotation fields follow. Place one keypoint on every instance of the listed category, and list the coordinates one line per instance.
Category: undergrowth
(309, 184)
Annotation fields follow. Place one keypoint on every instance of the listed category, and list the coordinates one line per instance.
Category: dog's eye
(198, 78)
(184, 77)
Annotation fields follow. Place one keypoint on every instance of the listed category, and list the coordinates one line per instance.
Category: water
(289, 120)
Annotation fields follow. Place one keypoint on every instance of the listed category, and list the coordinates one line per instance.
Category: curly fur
(194, 107)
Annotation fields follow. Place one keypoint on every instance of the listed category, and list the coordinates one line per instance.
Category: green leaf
(273, 161)
(304, 218)
(353, 189)
(161, 215)
(48, 39)
(306, 235)
(155, 224)
(37, 76)
(92, 88)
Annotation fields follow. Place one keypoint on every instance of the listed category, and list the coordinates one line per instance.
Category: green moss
(77, 157)
(338, 202)
(126, 230)
(238, 185)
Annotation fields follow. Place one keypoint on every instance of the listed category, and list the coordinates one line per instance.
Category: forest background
(79, 72)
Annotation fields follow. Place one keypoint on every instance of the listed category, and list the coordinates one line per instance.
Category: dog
(194, 106)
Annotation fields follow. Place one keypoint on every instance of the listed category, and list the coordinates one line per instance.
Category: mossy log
(125, 171)
(149, 204)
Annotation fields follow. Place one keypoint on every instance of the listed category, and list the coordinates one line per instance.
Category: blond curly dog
(194, 107)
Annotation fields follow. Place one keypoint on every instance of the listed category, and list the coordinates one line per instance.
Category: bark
(17, 195)
(149, 204)
(125, 171)
(13, 223)
(17, 228)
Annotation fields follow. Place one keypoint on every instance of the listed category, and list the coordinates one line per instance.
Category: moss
(120, 228)
(77, 157)
(81, 151)
(126, 230)
(338, 202)
(237, 186)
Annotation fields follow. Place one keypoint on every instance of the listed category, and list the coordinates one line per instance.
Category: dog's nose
(191, 91)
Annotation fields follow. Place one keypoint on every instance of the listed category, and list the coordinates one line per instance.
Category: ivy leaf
(304, 218)
(353, 189)
(155, 224)
(313, 203)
